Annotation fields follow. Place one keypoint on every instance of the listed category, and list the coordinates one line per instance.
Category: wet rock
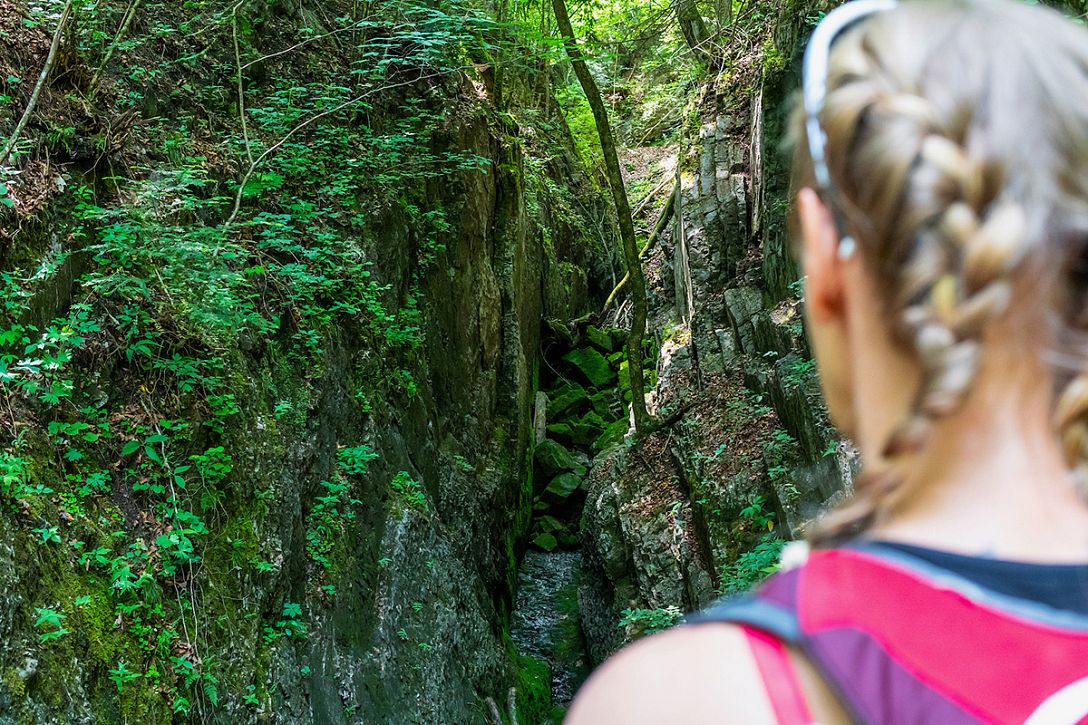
(546, 621)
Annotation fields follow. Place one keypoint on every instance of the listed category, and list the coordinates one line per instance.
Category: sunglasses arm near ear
(814, 92)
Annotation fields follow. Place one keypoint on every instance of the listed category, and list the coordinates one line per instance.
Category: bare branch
(126, 21)
(296, 46)
(241, 88)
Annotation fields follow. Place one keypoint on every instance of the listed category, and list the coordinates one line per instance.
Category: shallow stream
(545, 622)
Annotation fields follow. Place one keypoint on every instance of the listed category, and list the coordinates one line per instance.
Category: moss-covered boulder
(593, 365)
(553, 458)
(606, 404)
(565, 398)
(600, 339)
(562, 487)
(545, 542)
(612, 435)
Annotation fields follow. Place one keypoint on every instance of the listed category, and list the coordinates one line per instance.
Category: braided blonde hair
(958, 145)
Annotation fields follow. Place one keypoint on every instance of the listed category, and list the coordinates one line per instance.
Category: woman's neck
(992, 481)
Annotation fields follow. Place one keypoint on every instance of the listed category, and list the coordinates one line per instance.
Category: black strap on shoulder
(752, 611)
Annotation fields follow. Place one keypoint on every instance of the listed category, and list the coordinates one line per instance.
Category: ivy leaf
(150, 453)
(130, 448)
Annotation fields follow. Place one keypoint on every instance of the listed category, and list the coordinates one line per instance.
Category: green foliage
(327, 520)
(353, 461)
(641, 622)
(583, 131)
(290, 625)
(121, 675)
(51, 620)
(751, 567)
(174, 278)
(212, 252)
(756, 563)
(797, 373)
(409, 490)
(782, 454)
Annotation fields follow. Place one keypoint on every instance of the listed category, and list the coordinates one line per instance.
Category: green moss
(569, 648)
(773, 61)
(14, 684)
(534, 687)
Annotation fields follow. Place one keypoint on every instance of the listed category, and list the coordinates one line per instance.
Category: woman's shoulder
(693, 674)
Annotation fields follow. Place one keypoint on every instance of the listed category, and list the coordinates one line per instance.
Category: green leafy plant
(641, 622)
(48, 535)
(751, 567)
(409, 490)
(52, 621)
(121, 675)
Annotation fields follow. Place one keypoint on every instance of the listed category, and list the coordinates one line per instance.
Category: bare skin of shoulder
(694, 674)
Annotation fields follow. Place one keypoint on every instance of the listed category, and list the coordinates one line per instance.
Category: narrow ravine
(546, 624)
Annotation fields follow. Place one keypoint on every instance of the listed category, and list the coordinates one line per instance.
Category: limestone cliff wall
(406, 621)
(667, 519)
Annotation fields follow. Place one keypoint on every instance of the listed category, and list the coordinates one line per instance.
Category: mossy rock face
(553, 458)
(534, 692)
(561, 330)
(600, 339)
(559, 430)
(606, 404)
(549, 524)
(649, 377)
(619, 337)
(613, 434)
(580, 432)
(564, 398)
(593, 365)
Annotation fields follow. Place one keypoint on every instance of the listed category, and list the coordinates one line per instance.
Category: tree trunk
(64, 15)
(643, 421)
(693, 27)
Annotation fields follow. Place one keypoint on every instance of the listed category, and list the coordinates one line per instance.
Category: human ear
(823, 268)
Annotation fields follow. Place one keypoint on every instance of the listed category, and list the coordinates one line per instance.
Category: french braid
(907, 178)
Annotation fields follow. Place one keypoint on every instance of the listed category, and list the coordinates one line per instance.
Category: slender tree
(57, 36)
(693, 26)
(643, 422)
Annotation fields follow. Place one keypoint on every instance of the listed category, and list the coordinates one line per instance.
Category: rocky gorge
(347, 440)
